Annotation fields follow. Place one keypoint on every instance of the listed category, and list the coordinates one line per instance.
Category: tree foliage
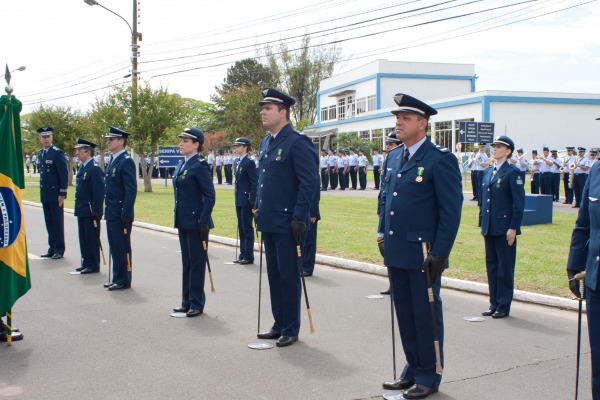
(298, 73)
(240, 113)
(68, 126)
(246, 72)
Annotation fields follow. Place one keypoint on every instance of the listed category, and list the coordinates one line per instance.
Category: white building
(361, 101)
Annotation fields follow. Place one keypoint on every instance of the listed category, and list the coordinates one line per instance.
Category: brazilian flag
(14, 265)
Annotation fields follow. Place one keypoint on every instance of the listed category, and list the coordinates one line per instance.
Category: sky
(73, 52)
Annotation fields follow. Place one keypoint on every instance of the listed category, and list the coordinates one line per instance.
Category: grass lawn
(349, 229)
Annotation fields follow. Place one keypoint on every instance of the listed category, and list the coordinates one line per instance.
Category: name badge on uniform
(49, 161)
(420, 171)
(278, 158)
(519, 181)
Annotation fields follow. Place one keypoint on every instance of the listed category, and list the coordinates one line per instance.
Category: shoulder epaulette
(441, 149)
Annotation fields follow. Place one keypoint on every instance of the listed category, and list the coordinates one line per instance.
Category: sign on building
(169, 156)
(475, 132)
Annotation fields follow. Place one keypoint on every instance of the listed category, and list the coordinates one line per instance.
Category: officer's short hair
(284, 107)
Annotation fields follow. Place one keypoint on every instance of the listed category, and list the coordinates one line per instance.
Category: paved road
(82, 342)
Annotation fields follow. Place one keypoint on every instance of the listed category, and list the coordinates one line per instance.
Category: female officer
(194, 201)
(501, 213)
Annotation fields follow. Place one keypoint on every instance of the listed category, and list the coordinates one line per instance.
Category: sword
(436, 342)
(581, 278)
(212, 284)
(312, 328)
(98, 231)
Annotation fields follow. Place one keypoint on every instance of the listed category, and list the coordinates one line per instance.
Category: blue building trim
(350, 120)
(378, 92)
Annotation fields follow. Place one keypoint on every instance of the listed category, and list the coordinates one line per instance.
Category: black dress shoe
(499, 314)
(16, 335)
(181, 309)
(399, 384)
(115, 287)
(487, 313)
(47, 255)
(418, 391)
(193, 313)
(385, 291)
(79, 269)
(272, 334)
(304, 273)
(286, 341)
(89, 271)
(57, 256)
(237, 261)
(245, 262)
(107, 285)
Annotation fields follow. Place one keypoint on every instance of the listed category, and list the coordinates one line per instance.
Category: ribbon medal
(420, 174)
(184, 174)
(498, 183)
(279, 155)
(114, 172)
(84, 175)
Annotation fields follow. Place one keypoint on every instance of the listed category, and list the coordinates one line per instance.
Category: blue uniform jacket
(246, 178)
(585, 240)
(89, 189)
(420, 202)
(194, 193)
(121, 188)
(54, 174)
(288, 173)
(502, 200)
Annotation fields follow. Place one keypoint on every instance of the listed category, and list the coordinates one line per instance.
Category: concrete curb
(449, 283)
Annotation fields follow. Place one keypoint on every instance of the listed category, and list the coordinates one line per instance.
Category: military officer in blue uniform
(120, 193)
(377, 162)
(287, 180)
(89, 201)
(502, 204)
(194, 202)
(54, 175)
(421, 202)
(568, 160)
(582, 166)
(246, 179)
(333, 176)
(583, 256)
(324, 165)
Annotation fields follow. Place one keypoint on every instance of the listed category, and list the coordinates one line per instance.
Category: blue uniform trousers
(475, 184)
(545, 183)
(555, 186)
(535, 183)
(362, 177)
(89, 243)
(324, 179)
(284, 282)
(228, 174)
(592, 304)
(118, 247)
(246, 232)
(409, 288)
(309, 248)
(377, 175)
(55, 225)
(219, 175)
(479, 181)
(353, 171)
(333, 178)
(578, 184)
(193, 261)
(568, 191)
(500, 261)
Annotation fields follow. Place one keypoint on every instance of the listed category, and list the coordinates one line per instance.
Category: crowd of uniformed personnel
(548, 171)
(419, 208)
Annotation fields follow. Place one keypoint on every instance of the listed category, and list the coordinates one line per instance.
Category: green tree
(155, 113)
(246, 72)
(298, 72)
(240, 113)
(345, 140)
(67, 124)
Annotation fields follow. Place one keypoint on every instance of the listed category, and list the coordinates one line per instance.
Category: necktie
(271, 138)
(109, 162)
(495, 170)
(405, 158)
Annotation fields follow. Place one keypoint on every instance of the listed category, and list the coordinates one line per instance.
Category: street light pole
(134, 42)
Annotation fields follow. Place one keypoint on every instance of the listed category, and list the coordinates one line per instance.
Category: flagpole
(9, 327)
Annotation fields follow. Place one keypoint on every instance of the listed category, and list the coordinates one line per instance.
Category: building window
(442, 134)
(364, 135)
(361, 106)
(332, 112)
(324, 114)
(371, 103)
(342, 108)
